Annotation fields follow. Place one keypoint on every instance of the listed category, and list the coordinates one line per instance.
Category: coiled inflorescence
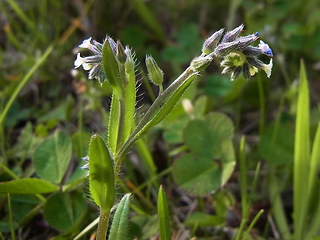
(236, 52)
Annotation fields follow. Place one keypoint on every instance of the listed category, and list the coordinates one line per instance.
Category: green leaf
(212, 160)
(163, 212)
(119, 228)
(101, 178)
(203, 219)
(129, 101)
(301, 156)
(200, 106)
(64, 210)
(198, 175)
(111, 69)
(113, 126)
(204, 137)
(52, 157)
(27, 186)
(314, 165)
(173, 131)
(218, 86)
(277, 144)
(160, 110)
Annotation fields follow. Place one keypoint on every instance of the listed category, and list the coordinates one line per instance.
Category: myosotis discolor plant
(115, 64)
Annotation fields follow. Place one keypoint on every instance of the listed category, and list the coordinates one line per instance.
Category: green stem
(121, 125)
(13, 236)
(103, 224)
(157, 104)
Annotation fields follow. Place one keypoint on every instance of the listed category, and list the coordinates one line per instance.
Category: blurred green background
(58, 97)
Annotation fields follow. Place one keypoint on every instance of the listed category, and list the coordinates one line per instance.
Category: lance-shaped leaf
(27, 186)
(110, 67)
(163, 213)
(101, 178)
(129, 96)
(160, 108)
(301, 156)
(119, 226)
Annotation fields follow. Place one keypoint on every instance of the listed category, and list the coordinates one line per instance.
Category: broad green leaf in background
(212, 160)
(173, 131)
(200, 139)
(119, 228)
(218, 85)
(200, 106)
(163, 213)
(277, 146)
(198, 175)
(27, 186)
(64, 210)
(52, 157)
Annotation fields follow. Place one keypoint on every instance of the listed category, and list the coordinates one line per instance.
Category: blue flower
(265, 48)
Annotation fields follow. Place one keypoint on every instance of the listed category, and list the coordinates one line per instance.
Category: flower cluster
(93, 63)
(237, 53)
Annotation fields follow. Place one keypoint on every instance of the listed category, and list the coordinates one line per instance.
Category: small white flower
(264, 47)
(267, 68)
(86, 43)
(82, 61)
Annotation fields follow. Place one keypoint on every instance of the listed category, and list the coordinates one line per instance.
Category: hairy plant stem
(121, 123)
(157, 104)
(103, 224)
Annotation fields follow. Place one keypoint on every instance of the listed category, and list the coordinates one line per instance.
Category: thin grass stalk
(23, 82)
(13, 235)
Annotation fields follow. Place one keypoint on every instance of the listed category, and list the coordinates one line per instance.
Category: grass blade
(314, 164)
(13, 236)
(301, 156)
(245, 236)
(120, 221)
(163, 212)
(23, 82)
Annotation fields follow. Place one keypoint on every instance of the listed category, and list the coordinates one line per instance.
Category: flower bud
(121, 55)
(247, 40)
(233, 34)
(200, 63)
(155, 73)
(211, 42)
(129, 64)
(224, 48)
(187, 106)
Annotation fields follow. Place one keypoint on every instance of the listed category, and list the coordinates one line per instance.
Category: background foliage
(47, 128)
